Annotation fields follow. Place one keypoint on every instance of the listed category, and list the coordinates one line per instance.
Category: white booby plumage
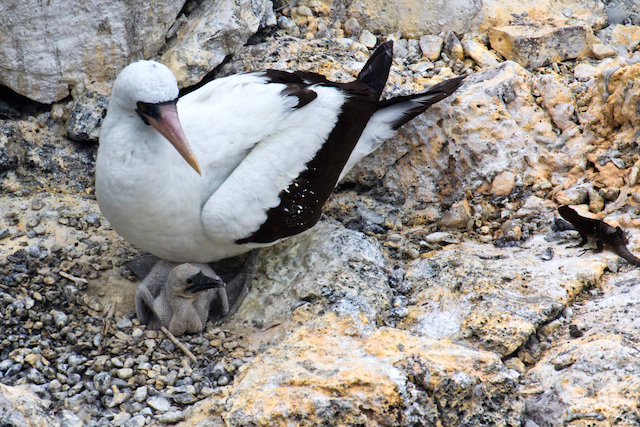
(263, 151)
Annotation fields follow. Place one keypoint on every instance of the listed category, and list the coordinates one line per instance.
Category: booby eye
(189, 281)
(144, 111)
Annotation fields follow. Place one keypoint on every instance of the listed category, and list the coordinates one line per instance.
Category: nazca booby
(263, 152)
(178, 297)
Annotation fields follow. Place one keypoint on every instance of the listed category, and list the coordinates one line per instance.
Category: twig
(72, 277)
(179, 344)
(107, 322)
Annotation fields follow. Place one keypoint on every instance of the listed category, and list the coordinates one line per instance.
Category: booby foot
(238, 275)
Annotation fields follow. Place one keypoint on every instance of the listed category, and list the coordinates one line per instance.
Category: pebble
(69, 419)
(367, 38)
(118, 398)
(120, 419)
(6, 364)
(4, 233)
(140, 394)
(124, 323)
(37, 204)
(125, 373)
(352, 27)
(171, 417)
(136, 421)
(304, 11)
(399, 312)
(102, 381)
(183, 398)
(159, 404)
(60, 319)
(207, 391)
(431, 46)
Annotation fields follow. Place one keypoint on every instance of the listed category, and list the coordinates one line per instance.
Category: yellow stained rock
(624, 35)
(534, 47)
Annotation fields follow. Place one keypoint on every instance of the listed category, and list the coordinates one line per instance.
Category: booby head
(150, 89)
(187, 280)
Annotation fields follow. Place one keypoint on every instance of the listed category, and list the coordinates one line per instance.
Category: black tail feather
(419, 102)
(376, 71)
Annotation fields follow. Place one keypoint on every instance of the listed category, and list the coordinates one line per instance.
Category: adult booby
(242, 162)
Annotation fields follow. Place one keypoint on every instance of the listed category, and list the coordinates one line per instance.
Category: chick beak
(200, 282)
(165, 120)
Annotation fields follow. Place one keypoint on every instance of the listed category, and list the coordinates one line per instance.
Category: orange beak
(166, 122)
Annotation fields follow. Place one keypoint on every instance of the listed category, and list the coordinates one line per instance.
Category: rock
(102, 381)
(367, 39)
(558, 100)
(120, 419)
(480, 54)
(352, 27)
(503, 184)
(46, 159)
(159, 404)
(304, 268)
(535, 47)
(602, 51)
(125, 373)
(599, 360)
(458, 216)
(140, 394)
(69, 419)
(86, 117)
(536, 13)
(573, 196)
(452, 47)
(454, 305)
(214, 30)
(20, 407)
(60, 319)
(512, 231)
(413, 18)
(111, 36)
(431, 46)
(124, 323)
(171, 417)
(373, 383)
(491, 124)
(585, 72)
(625, 35)
(136, 421)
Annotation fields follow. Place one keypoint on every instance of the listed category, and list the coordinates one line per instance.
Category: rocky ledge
(435, 291)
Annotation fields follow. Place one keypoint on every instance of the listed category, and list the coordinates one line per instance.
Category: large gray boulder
(50, 47)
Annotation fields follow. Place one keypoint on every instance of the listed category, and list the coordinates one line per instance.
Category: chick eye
(189, 281)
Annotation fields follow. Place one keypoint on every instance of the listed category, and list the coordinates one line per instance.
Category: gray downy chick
(178, 296)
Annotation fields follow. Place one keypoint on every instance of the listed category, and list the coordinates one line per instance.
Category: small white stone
(585, 72)
(125, 373)
(368, 39)
(120, 419)
(352, 27)
(140, 394)
(160, 404)
(431, 46)
(304, 11)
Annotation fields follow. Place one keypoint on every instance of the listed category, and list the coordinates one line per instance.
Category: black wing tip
(376, 71)
(448, 86)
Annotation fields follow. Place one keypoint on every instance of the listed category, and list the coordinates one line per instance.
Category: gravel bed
(54, 338)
